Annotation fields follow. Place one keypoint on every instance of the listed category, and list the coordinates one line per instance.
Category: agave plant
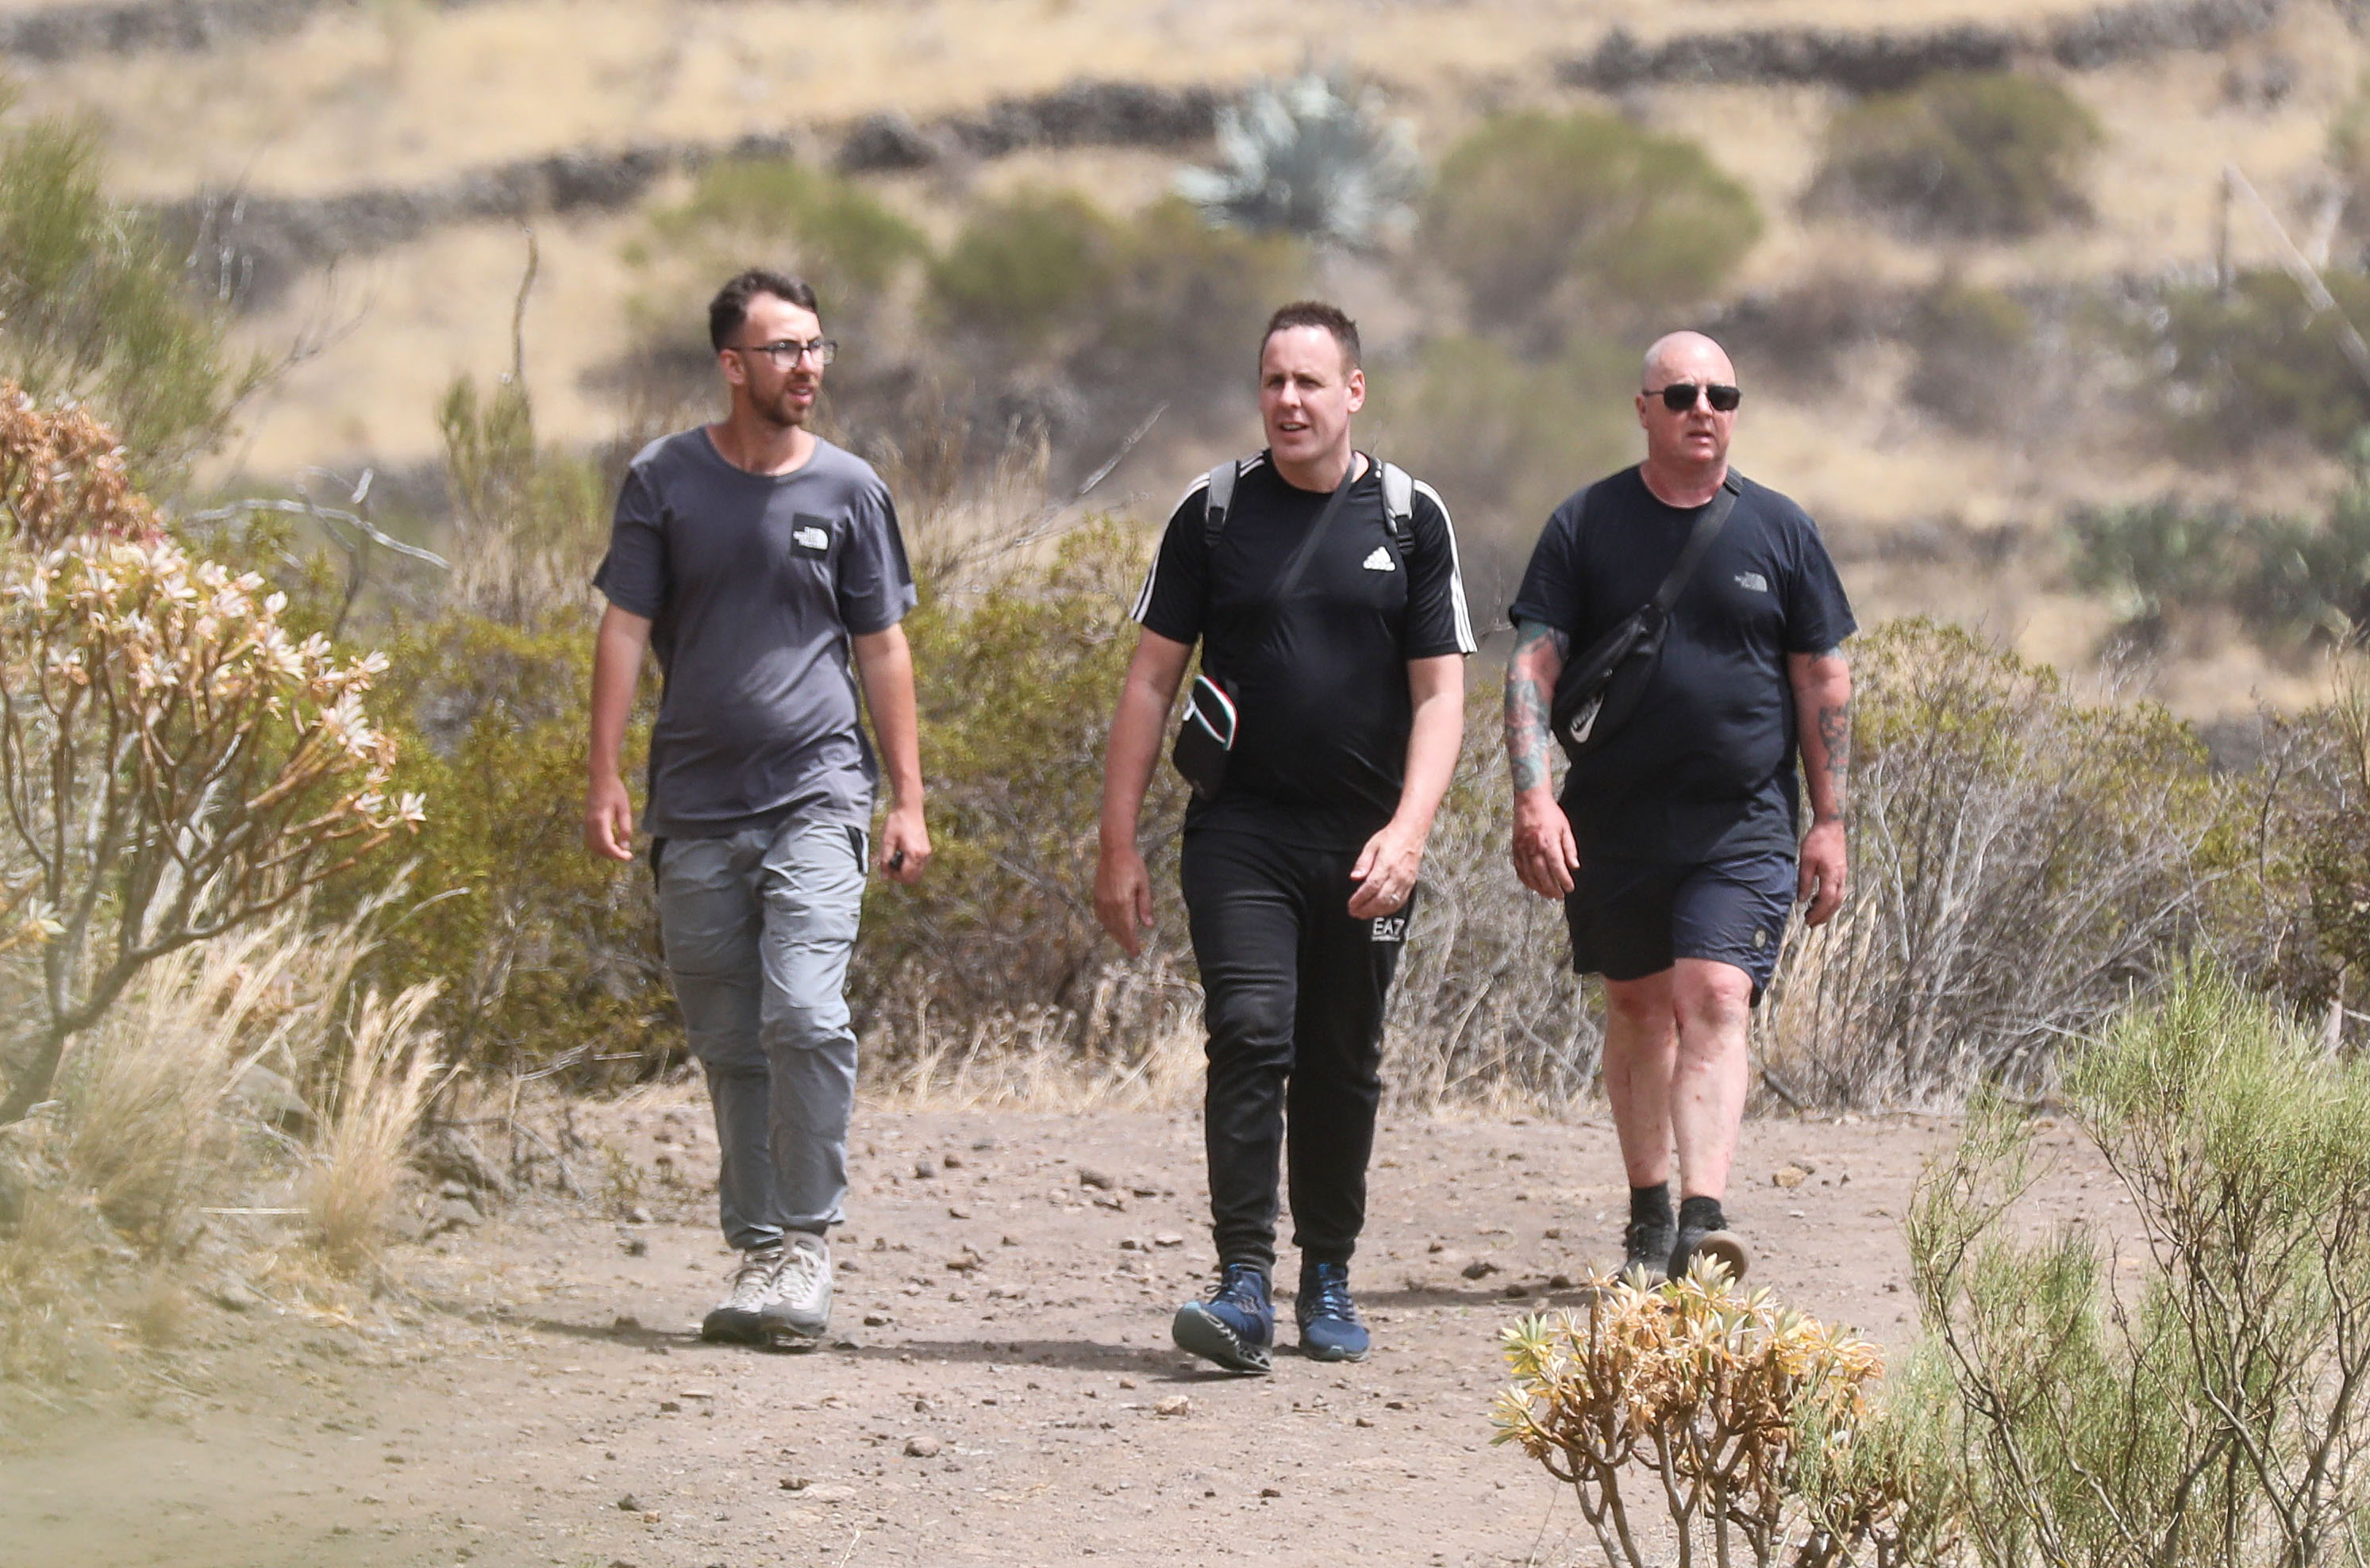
(1304, 158)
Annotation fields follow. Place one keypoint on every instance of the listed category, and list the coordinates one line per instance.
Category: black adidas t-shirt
(1322, 704)
(1705, 767)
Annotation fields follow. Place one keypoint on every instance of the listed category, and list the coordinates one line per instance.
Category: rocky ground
(1000, 1388)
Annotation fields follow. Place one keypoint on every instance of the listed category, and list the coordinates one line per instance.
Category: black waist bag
(1600, 690)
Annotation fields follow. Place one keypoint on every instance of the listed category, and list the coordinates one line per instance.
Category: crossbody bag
(1205, 733)
(1600, 690)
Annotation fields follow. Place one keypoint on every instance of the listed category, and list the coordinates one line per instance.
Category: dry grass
(147, 1130)
(356, 1163)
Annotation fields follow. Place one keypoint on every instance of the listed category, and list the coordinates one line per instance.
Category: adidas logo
(1380, 561)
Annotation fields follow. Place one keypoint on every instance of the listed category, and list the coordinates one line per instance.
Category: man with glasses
(765, 568)
(1675, 845)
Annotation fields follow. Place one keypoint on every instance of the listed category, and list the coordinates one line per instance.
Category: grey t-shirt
(754, 583)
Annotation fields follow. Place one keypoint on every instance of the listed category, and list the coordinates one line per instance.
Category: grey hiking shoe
(734, 1320)
(798, 1307)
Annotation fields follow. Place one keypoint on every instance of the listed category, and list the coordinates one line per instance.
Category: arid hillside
(362, 173)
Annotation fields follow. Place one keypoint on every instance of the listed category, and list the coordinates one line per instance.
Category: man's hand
(1386, 870)
(1123, 897)
(904, 844)
(1823, 872)
(1545, 854)
(609, 817)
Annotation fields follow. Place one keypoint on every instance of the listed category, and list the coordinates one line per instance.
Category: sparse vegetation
(1972, 345)
(1995, 156)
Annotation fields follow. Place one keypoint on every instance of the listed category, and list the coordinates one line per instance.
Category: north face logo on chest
(811, 538)
(1380, 561)
(1752, 583)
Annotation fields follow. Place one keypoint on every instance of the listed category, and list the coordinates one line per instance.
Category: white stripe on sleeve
(1465, 639)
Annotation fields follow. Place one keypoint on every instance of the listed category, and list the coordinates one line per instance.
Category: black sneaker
(1235, 1326)
(1646, 1248)
(1330, 1329)
(1723, 1247)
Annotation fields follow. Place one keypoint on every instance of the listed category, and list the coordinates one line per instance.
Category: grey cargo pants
(758, 927)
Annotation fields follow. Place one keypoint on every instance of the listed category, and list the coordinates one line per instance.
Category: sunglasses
(1680, 396)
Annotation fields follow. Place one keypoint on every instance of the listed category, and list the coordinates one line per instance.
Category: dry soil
(534, 1391)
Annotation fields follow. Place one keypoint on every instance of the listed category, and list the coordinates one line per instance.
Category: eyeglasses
(788, 351)
(1680, 396)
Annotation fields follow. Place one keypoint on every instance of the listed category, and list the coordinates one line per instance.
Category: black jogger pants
(1294, 990)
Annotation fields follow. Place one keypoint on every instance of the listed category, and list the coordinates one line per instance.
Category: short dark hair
(1316, 313)
(729, 308)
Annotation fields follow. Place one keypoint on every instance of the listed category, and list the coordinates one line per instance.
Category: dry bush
(2226, 369)
(382, 1091)
(1753, 1425)
(1146, 1023)
(2020, 861)
(1485, 1008)
(217, 1038)
(2201, 1405)
(173, 764)
(1548, 222)
(1988, 155)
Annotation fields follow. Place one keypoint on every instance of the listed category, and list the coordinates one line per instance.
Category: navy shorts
(1633, 918)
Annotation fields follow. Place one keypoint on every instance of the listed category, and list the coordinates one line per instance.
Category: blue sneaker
(1330, 1329)
(1235, 1326)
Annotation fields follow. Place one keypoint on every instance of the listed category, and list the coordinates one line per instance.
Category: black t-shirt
(1706, 767)
(1322, 704)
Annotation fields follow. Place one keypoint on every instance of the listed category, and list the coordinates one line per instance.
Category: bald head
(1688, 356)
(1686, 445)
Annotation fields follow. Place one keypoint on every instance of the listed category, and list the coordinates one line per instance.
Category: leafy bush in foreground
(2200, 1403)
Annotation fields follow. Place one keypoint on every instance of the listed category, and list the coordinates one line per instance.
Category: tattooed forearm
(1835, 744)
(1530, 685)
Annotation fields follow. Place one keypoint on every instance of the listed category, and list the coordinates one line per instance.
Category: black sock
(1651, 1206)
(1702, 1214)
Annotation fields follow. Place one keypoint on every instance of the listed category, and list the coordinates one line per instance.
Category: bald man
(1677, 846)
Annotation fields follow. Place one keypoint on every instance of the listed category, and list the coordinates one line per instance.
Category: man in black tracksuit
(1298, 873)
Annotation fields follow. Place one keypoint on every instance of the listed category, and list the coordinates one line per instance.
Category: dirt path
(993, 1396)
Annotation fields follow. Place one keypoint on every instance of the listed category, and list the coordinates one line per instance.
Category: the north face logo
(1752, 583)
(1380, 561)
(812, 539)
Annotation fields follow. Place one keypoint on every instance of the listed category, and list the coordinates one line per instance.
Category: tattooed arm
(1821, 685)
(1545, 851)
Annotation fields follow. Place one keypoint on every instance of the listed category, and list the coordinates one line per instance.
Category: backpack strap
(1399, 505)
(1219, 496)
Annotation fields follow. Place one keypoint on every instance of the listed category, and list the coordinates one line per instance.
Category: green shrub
(1110, 315)
(2154, 559)
(1302, 157)
(1974, 348)
(97, 307)
(1028, 265)
(2196, 1402)
(547, 954)
(1505, 440)
(1989, 156)
(1549, 219)
(530, 521)
(785, 216)
(2232, 369)
(1016, 691)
